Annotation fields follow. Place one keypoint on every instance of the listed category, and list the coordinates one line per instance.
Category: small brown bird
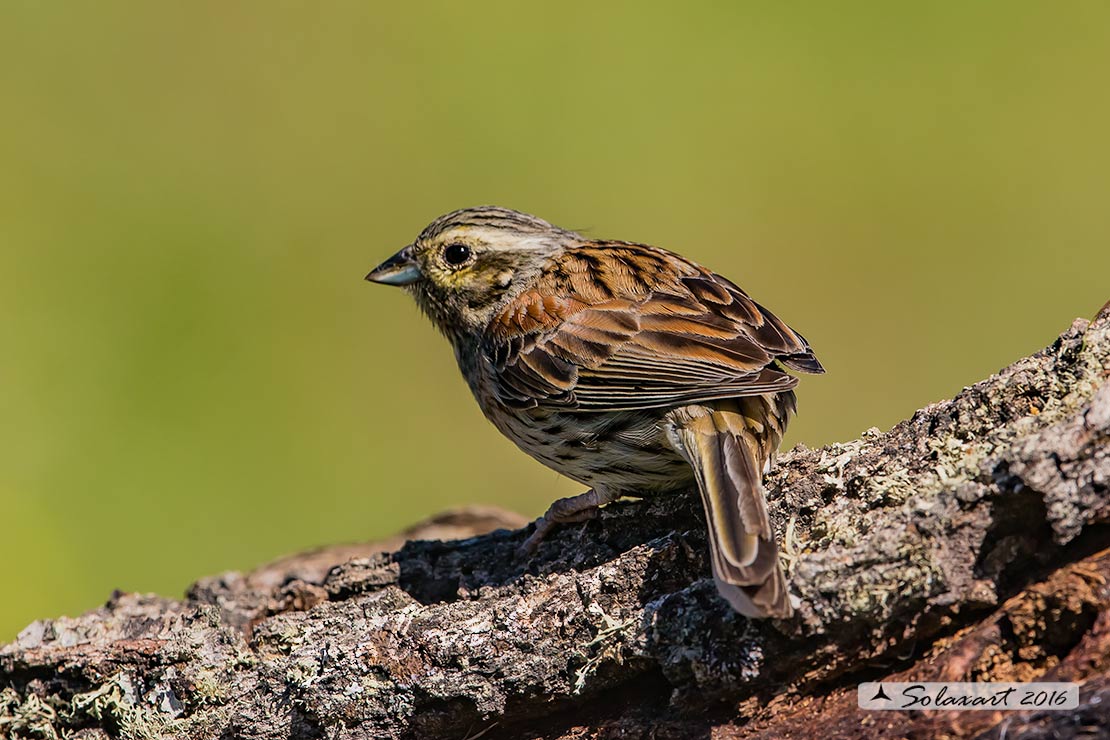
(625, 367)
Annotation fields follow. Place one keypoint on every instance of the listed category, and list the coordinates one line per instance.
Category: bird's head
(467, 264)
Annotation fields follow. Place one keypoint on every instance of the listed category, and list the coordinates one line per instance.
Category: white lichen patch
(118, 699)
(28, 717)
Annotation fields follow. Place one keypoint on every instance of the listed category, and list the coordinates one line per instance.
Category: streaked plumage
(622, 366)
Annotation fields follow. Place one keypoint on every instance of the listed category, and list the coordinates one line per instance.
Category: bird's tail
(730, 445)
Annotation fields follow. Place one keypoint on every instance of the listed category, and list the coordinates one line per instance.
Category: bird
(625, 367)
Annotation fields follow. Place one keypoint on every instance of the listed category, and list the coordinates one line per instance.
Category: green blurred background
(194, 377)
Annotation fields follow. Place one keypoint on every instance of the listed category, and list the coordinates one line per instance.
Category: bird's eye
(456, 254)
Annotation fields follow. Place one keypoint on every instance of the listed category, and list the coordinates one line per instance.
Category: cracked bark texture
(967, 543)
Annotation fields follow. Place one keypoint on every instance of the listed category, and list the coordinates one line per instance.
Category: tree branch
(967, 543)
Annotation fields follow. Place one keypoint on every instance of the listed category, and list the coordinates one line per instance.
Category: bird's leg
(564, 511)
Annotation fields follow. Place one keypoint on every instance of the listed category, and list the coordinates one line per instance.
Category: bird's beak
(400, 269)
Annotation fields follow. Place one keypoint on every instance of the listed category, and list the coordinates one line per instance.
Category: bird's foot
(568, 510)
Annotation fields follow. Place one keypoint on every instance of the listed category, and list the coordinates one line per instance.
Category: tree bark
(967, 543)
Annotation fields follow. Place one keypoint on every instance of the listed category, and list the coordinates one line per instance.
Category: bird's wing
(614, 326)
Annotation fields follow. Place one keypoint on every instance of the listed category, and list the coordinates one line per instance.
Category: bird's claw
(528, 548)
(559, 513)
